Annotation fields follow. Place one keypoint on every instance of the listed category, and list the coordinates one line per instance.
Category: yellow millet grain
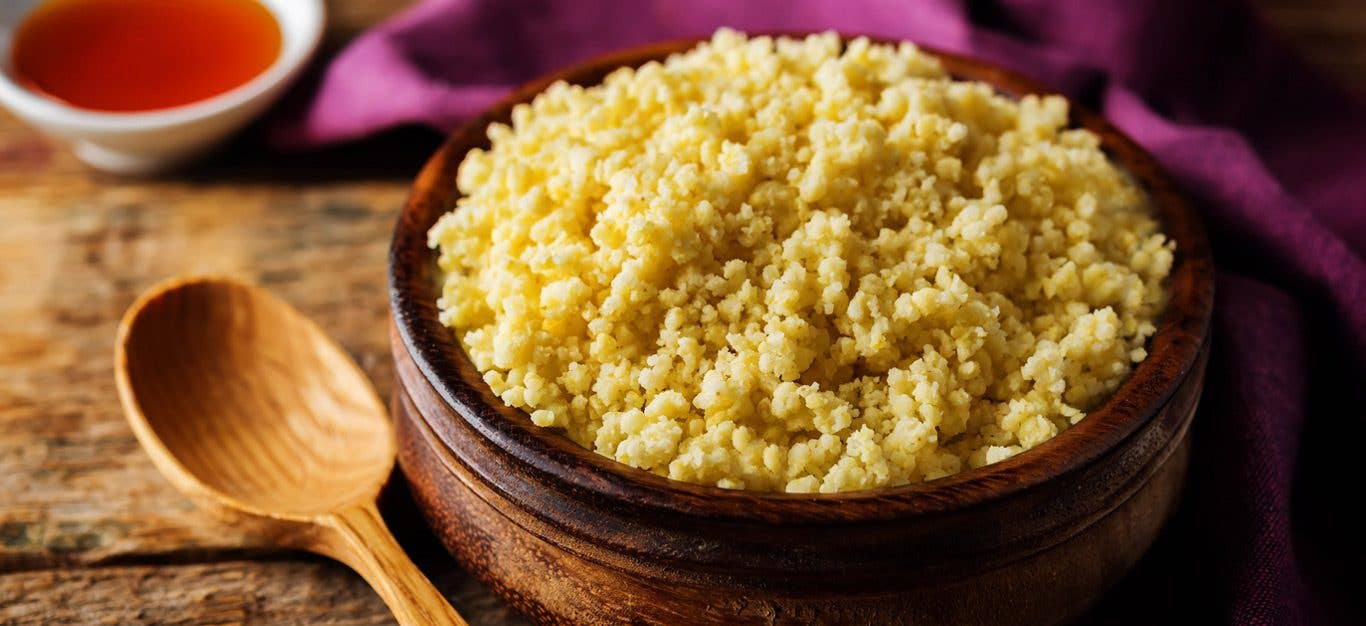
(792, 265)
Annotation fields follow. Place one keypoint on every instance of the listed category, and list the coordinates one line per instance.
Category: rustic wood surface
(89, 531)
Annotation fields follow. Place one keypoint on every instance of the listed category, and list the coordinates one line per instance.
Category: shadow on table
(475, 602)
(395, 155)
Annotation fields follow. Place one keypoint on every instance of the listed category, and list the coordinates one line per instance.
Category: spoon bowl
(251, 398)
(253, 411)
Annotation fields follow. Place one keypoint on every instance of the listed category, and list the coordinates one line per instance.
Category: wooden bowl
(569, 536)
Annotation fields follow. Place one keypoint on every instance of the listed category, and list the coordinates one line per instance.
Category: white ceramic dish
(153, 141)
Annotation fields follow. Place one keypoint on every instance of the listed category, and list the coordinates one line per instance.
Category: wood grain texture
(249, 408)
(75, 249)
(300, 590)
(362, 539)
(984, 545)
(284, 592)
(244, 403)
(78, 489)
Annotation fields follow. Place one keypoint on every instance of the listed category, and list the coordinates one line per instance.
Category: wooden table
(89, 532)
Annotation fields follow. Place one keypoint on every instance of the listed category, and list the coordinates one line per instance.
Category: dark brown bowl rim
(1173, 350)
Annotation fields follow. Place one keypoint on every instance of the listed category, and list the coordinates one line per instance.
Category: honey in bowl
(142, 55)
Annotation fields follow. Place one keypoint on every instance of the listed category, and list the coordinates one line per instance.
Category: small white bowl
(158, 140)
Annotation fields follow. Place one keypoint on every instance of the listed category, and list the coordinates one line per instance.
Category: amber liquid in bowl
(142, 55)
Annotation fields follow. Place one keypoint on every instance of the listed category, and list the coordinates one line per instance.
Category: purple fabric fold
(1273, 156)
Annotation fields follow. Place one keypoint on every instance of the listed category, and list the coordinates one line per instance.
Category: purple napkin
(1274, 157)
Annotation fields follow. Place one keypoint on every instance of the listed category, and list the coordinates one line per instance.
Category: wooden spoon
(251, 410)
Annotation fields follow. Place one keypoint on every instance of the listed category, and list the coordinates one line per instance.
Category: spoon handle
(368, 547)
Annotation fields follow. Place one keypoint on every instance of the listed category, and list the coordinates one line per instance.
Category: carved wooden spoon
(252, 411)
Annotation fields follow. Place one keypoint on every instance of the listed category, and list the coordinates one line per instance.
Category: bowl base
(127, 163)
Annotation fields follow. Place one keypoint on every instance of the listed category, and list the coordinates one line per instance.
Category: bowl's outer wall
(650, 539)
(567, 561)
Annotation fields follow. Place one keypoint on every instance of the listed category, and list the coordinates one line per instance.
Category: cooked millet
(792, 265)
